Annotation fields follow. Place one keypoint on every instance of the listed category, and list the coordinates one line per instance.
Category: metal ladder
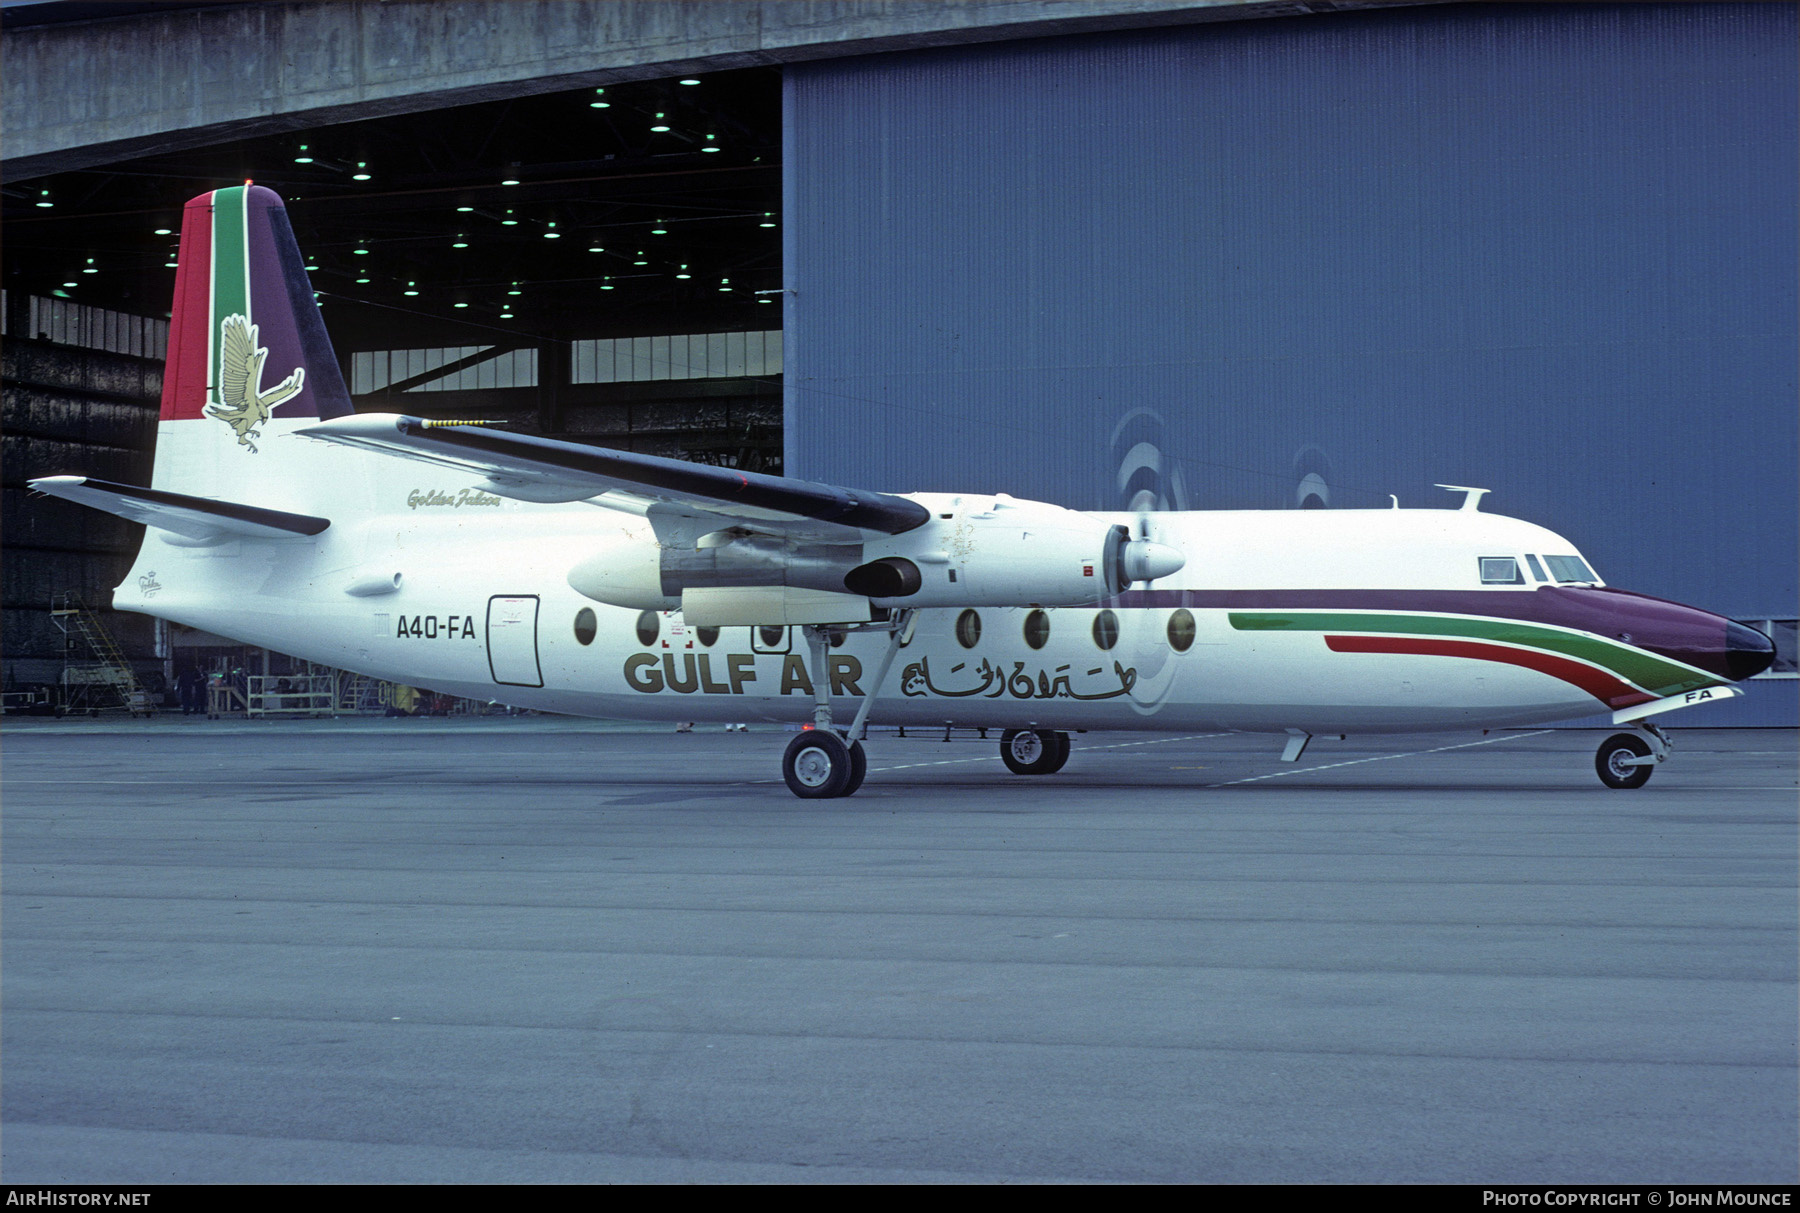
(103, 676)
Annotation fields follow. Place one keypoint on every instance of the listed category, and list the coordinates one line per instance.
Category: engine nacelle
(1001, 551)
(975, 551)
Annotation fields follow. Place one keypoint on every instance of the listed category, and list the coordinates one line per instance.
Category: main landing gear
(820, 763)
(1034, 751)
(1625, 760)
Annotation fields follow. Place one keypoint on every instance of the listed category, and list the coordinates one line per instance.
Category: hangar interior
(1302, 259)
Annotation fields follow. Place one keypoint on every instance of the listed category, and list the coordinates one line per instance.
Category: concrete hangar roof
(465, 166)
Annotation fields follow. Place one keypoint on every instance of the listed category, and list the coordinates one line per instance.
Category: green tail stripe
(1652, 673)
(230, 267)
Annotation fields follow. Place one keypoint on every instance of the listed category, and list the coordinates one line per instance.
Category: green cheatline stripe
(230, 284)
(1654, 674)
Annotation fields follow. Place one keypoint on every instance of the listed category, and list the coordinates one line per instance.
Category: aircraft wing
(545, 469)
(197, 518)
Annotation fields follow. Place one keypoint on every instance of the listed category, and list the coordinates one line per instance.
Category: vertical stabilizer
(249, 360)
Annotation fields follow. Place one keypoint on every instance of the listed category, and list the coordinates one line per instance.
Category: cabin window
(1500, 570)
(968, 629)
(1037, 629)
(1569, 568)
(1181, 630)
(708, 636)
(772, 637)
(1537, 570)
(647, 628)
(1106, 630)
(585, 626)
(837, 639)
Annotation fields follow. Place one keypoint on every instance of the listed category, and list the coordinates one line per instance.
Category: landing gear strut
(819, 763)
(1034, 751)
(1625, 760)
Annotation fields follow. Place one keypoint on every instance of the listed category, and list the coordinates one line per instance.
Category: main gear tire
(817, 765)
(1033, 751)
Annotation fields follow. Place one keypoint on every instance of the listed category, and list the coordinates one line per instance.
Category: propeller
(1144, 559)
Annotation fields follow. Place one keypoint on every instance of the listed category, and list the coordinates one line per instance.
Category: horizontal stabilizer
(193, 517)
(545, 469)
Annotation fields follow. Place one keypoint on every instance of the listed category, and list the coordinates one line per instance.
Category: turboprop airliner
(574, 579)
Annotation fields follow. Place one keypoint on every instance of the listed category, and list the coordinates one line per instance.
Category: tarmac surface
(541, 949)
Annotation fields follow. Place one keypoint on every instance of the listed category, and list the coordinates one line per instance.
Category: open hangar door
(1296, 263)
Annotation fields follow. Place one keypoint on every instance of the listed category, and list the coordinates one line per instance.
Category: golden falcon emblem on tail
(243, 405)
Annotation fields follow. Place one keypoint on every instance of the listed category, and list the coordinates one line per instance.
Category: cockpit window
(1537, 570)
(1570, 568)
(1500, 570)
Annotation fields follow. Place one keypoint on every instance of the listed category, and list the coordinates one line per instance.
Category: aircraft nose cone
(1147, 561)
(1747, 651)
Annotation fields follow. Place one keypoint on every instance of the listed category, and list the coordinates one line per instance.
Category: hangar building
(1183, 255)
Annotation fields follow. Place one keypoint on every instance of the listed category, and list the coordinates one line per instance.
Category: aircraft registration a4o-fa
(574, 579)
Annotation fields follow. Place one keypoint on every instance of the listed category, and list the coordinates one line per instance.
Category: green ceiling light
(170, 265)
(410, 289)
(660, 229)
(361, 173)
(509, 221)
(44, 198)
(598, 103)
(710, 145)
(303, 157)
(71, 284)
(515, 290)
(607, 285)
(725, 284)
(768, 219)
(690, 80)
(552, 233)
(362, 282)
(459, 305)
(463, 210)
(659, 126)
(683, 273)
(165, 231)
(461, 241)
(596, 249)
(360, 251)
(512, 176)
(506, 315)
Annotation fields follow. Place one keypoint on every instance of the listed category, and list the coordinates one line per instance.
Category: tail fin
(248, 360)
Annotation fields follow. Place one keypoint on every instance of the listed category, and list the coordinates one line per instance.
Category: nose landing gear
(1625, 760)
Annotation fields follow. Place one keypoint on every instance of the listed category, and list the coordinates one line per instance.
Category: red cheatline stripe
(184, 374)
(1598, 683)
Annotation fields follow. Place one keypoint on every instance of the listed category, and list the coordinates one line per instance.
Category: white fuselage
(483, 609)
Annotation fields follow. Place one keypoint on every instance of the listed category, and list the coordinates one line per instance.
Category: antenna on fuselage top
(1472, 502)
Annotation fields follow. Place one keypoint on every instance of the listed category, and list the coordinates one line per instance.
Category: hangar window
(1570, 568)
(1037, 629)
(647, 628)
(1106, 630)
(1501, 570)
(968, 629)
(1181, 630)
(585, 626)
(1537, 570)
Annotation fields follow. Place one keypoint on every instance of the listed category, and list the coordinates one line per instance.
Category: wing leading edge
(545, 469)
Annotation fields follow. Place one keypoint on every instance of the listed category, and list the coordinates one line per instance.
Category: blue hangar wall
(1546, 250)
